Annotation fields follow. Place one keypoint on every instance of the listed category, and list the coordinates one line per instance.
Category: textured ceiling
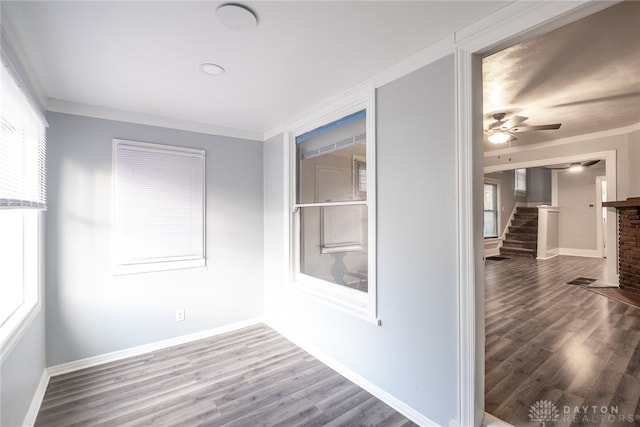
(585, 75)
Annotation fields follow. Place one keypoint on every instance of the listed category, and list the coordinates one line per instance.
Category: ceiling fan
(502, 130)
(573, 167)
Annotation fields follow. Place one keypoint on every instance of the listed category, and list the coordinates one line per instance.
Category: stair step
(525, 216)
(529, 222)
(529, 237)
(522, 209)
(518, 252)
(523, 229)
(521, 244)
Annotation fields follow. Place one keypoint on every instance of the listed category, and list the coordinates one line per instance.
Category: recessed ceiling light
(237, 17)
(212, 69)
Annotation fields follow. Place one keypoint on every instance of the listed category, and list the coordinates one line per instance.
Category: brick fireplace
(628, 242)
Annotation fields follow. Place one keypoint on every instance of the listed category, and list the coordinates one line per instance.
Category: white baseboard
(36, 402)
(147, 348)
(550, 254)
(355, 378)
(491, 421)
(587, 253)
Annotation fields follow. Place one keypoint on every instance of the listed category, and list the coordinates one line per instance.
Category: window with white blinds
(23, 181)
(159, 204)
(22, 197)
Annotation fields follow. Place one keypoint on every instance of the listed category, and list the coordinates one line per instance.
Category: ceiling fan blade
(515, 120)
(495, 125)
(590, 163)
(532, 128)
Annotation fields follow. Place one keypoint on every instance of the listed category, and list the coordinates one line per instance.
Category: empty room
(271, 213)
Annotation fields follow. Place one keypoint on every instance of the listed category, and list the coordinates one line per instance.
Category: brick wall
(629, 249)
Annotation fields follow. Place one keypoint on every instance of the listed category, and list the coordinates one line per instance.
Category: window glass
(11, 261)
(333, 244)
(326, 156)
(490, 210)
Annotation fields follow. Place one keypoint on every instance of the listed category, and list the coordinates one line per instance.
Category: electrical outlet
(180, 315)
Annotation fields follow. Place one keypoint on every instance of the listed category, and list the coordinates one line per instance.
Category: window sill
(16, 326)
(150, 267)
(342, 298)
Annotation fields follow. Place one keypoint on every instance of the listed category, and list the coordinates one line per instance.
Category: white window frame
(13, 328)
(497, 183)
(357, 303)
(161, 263)
(518, 190)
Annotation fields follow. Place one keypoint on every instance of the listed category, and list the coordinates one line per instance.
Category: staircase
(522, 236)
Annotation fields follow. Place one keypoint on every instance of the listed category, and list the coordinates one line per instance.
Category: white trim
(493, 421)
(274, 131)
(352, 376)
(468, 400)
(522, 20)
(585, 253)
(363, 305)
(36, 402)
(66, 107)
(599, 222)
(555, 143)
(147, 348)
(25, 317)
(492, 247)
(513, 23)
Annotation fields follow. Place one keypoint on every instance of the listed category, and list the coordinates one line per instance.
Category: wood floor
(547, 340)
(251, 377)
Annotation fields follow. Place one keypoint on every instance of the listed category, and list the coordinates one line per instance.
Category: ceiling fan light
(499, 137)
(575, 167)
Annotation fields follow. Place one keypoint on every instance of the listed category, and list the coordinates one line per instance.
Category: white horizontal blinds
(348, 131)
(23, 181)
(159, 203)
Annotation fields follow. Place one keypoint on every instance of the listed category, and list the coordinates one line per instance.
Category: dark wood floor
(251, 377)
(547, 340)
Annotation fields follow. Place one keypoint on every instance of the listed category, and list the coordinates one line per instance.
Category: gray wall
(89, 311)
(411, 355)
(20, 374)
(539, 186)
(578, 221)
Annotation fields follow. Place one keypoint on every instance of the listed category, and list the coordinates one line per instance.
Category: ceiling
(585, 75)
(144, 57)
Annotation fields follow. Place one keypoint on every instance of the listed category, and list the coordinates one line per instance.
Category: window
(490, 210)
(520, 182)
(22, 197)
(333, 209)
(158, 207)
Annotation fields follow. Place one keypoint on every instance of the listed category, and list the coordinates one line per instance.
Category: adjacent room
(562, 320)
(271, 213)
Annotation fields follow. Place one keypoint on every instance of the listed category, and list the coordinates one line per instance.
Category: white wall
(89, 311)
(411, 355)
(20, 374)
(578, 211)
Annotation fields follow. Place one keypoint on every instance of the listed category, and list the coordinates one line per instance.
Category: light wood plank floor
(547, 340)
(250, 377)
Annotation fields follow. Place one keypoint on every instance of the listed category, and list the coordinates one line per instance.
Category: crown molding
(66, 107)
